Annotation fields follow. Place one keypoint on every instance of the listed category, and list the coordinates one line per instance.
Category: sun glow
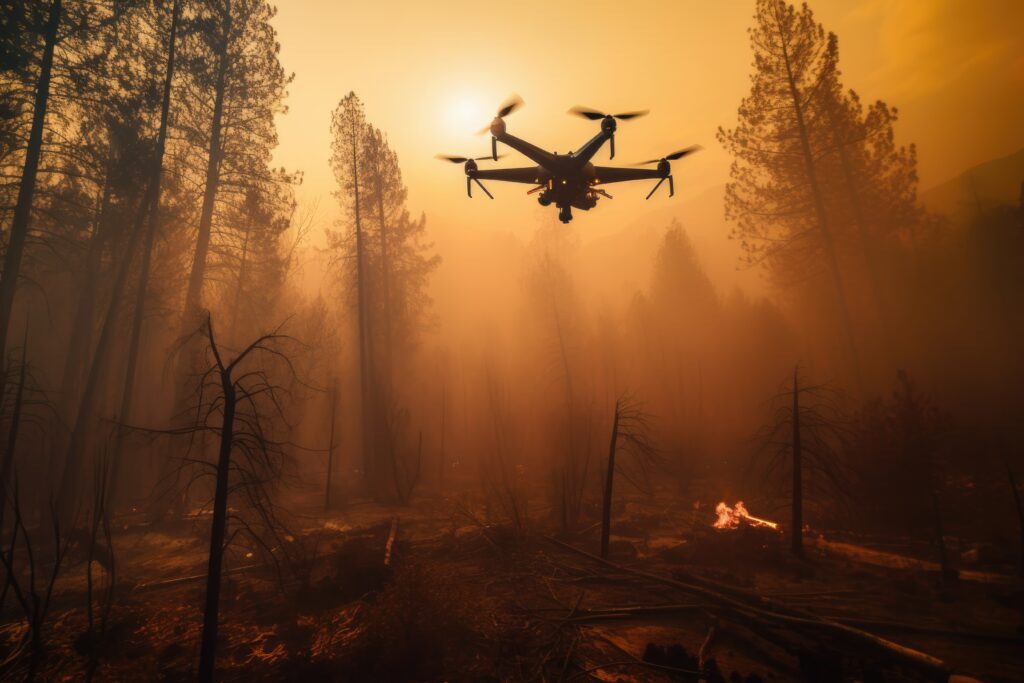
(465, 113)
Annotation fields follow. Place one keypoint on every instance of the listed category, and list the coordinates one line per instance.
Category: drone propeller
(673, 156)
(462, 160)
(510, 105)
(594, 115)
(666, 170)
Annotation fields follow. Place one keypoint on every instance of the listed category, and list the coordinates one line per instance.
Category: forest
(482, 456)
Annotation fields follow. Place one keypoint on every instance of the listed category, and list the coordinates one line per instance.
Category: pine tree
(48, 58)
(239, 85)
(777, 196)
(400, 262)
(348, 136)
(876, 183)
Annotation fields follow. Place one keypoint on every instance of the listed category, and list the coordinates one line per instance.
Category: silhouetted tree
(73, 465)
(631, 432)
(776, 194)
(809, 427)
(348, 136)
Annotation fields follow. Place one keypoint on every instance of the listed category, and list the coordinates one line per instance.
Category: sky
(432, 73)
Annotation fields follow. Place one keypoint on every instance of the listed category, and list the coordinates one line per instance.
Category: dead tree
(332, 420)
(99, 523)
(34, 599)
(808, 427)
(404, 475)
(798, 470)
(609, 478)
(630, 427)
(498, 474)
(243, 400)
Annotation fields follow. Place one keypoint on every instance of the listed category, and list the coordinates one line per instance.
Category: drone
(566, 180)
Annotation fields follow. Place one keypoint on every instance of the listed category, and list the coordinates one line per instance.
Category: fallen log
(177, 581)
(752, 606)
(623, 611)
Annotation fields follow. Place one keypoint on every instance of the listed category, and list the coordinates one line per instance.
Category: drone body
(566, 180)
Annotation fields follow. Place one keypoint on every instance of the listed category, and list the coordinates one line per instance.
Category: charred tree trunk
(819, 209)
(606, 508)
(798, 486)
(27, 188)
(208, 647)
(12, 432)
(332, 419)
(87, 402)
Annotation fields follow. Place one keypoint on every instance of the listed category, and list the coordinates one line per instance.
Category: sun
(464, 113)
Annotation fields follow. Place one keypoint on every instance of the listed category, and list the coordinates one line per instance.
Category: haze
(955, 70)
(279, 402)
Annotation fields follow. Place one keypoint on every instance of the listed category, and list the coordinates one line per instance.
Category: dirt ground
(465, 598)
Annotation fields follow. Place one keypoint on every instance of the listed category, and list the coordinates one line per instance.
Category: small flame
(733, 517)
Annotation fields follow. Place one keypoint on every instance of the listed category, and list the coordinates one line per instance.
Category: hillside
(990, 183)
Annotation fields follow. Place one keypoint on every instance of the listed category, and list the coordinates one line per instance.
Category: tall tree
(399, 259)
(776, 195)
(73, 466)
(348, 135)
(877, 181)
(240, 86)
(26, 191)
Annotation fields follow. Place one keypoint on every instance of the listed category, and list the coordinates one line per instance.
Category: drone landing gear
(565, 213)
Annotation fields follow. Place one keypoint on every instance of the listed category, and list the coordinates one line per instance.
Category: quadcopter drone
(565, 180)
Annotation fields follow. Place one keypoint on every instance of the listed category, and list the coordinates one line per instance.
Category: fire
(733, 517)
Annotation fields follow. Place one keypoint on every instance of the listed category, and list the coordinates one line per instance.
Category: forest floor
(462, 599)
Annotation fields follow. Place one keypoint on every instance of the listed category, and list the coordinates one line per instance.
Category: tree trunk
(367, 401)
(208, 647)
(27, 188)
(243, 267)
(819, 209)
(606, 509)
(128, 390)
(80, 338)
(87, 402)
(12, 433)
(867, 248)
(193, 298)
(798, 486)
(330, 444)
(385, 280)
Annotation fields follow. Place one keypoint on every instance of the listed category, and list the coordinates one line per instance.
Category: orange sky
(432, 73)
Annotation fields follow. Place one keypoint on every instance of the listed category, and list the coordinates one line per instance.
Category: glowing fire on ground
(734, 517)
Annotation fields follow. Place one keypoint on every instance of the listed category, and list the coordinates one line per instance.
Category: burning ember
(734, 517)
